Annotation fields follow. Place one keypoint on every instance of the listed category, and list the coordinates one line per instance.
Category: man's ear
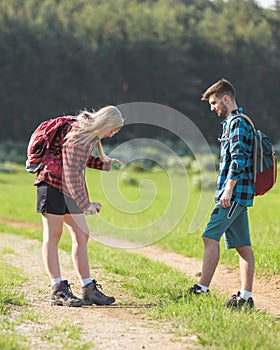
(226, 99)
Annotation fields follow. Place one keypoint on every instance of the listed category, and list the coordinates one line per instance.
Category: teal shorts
(233, 222)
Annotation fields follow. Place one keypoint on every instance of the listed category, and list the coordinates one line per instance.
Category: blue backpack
(264, 159)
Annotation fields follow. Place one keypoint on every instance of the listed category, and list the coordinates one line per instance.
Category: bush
(204, 163)
(12, 152)
(9, 167)
(204, 181)
(127, 179)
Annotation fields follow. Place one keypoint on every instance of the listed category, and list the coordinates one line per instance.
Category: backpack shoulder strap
(255, 146)
(249, 120)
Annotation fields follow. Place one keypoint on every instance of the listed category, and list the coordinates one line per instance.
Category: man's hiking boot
(236, 302)
(62, 295)
(196, 290)
(91, 295)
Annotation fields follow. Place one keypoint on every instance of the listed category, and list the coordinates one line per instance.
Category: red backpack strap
(53, 127)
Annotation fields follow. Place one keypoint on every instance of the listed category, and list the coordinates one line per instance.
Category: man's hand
(226, 197)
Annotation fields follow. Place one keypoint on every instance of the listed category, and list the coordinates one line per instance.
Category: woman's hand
(115, 164)
(95, 207)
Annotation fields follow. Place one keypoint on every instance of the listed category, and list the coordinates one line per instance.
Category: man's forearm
(230, 185)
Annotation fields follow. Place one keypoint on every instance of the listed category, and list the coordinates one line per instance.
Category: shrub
(204, 181)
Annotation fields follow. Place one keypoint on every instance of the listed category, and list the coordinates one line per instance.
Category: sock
(244, 294)
(203, 288)
(85, 281)
(56, 280)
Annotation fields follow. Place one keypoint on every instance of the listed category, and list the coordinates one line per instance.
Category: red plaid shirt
(66, 165)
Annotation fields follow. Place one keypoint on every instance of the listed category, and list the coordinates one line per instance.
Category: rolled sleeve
(97, 163)
(239, 149)
(74, 160)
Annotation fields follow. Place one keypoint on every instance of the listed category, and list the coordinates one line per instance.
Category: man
(235, 192)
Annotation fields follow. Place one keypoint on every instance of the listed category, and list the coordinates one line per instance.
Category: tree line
(60, 56)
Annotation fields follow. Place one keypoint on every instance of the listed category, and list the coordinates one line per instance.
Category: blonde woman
(62, 198)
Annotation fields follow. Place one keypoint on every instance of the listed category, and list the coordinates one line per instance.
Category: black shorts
(50, 200)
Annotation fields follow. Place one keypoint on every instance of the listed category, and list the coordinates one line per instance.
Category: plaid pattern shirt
(65, 167)
(236, 160)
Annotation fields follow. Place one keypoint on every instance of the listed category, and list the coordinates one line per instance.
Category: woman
(62, 197)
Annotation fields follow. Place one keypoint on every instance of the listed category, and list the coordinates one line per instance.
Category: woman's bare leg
(52, 231)
(77, 226)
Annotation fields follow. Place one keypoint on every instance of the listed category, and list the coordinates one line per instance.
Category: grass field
(149, 282)
(139, 210)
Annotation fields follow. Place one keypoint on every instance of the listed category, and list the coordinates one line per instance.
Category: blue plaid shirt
(236, 160)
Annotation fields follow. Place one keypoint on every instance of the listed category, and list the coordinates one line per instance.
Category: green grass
(149, 283)
(264, 221)
(141, 207)
(7, 250)
(10, 296)
(215, 325)
(71, 338)
(156, 284)
(10, 280)
(18, 196)
(61, 335)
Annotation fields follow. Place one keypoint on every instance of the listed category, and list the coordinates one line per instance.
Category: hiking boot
(237, 302)
(196, 290)
(91, 295)
(62, 295)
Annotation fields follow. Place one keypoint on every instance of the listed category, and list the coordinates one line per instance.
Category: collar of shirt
(239, 110)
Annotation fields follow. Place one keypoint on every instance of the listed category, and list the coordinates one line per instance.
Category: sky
(266, 3)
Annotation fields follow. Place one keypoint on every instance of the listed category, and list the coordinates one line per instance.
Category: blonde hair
(94, 125)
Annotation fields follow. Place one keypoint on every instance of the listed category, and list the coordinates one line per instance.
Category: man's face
(219, 105)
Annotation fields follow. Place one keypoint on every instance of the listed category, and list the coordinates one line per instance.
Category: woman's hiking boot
(91, 295)
(62, 295)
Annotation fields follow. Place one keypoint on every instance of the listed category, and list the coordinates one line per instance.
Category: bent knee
(80, 238)
(209, 241)
(246, 249)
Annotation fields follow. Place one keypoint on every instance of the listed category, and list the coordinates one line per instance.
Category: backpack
(41, 140)
(264, 159)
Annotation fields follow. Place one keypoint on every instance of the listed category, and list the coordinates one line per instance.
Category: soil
(266, 289)
(111, 328)
(118, 327)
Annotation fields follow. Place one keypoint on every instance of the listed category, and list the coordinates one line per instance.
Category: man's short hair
(220, 88)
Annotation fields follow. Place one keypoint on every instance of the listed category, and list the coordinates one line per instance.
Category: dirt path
(266, 291)
(108, 328)
(114, 327)
(226, 280)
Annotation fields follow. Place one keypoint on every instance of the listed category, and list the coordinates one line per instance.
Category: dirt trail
(121, 328)
(226, 280)
(109, 328)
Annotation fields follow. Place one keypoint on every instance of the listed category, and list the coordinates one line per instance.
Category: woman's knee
(80, 237)
(51, 237)
(52, 227)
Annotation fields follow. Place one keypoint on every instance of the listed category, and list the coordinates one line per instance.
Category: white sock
(56, 280)
(86, 281)
(244, 294)
(203, 288)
